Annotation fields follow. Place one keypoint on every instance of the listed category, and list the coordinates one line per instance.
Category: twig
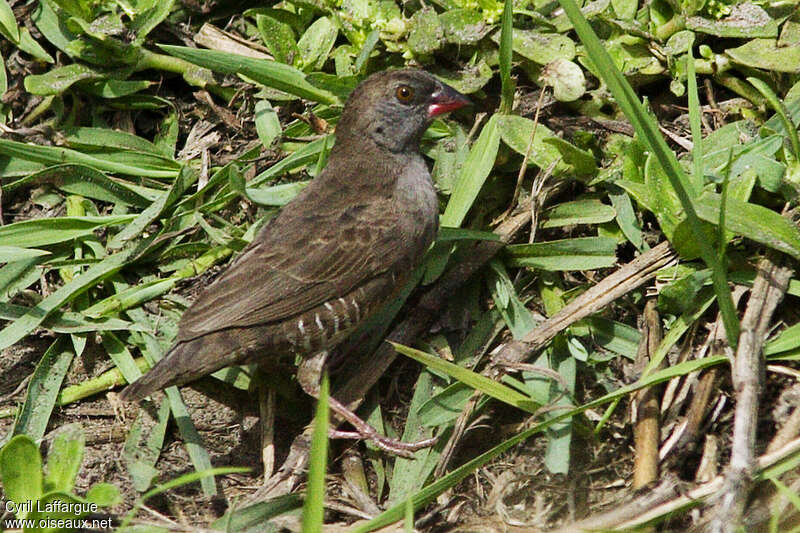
(646, 431)
(768, 290)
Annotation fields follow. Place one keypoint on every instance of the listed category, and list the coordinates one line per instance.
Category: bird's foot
(308, 374)
(393, 446)
(367, 432)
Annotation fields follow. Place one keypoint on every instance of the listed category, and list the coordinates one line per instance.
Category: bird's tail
(185, 362)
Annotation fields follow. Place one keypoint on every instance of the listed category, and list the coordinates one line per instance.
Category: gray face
(394, 111)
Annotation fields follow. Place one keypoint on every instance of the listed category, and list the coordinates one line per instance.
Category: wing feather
(284, 272)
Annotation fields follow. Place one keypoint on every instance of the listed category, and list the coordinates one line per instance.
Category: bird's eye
(404, 93)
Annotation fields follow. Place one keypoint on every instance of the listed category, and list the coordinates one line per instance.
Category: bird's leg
(266, 411)
(308, 375)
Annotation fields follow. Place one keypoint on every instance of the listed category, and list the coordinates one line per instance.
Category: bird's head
(393, 108)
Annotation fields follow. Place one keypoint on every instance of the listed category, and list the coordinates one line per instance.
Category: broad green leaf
(18, 276)
(566, 78)
(516, 132)
(108, 139)
(461, 234)
(753, 221)
(788, 339)
(141, 451)
(759, 23)
(316, 43)
(51, 507)
(59, 79)
(116, 88)
(64, 458)
(766, 54)
(302, 157)
(626, 216)
(518, 318)
(581, 161)
(69, 322)
(426, 33)
(463, 26)
(410, 474)
(582, 253)
(21, 473)
(268, 126)
(559, 435)
(145, 20)
(369, 45)
(277, 195)
(31, 46)
(103, 494)
(278, 37)
(48, 23)
(130, 297)
(104, 162)
(663, 201)
(445, 406)
(577, 212)
(541, 48)
(8, 23)
(609, 334)
(154, 210)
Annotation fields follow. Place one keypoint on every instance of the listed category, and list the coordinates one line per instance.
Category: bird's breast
(417, 208)
(414, 191)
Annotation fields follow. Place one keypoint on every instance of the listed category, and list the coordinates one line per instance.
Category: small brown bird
(335, 253)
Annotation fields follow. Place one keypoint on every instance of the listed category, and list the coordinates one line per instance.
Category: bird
(333, 255)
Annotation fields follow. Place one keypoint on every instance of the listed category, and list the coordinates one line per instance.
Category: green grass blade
(476, 381)
(43, 389)
(314, 506)
(57, 156)
(506, 48)
(476, 169)
(694, 121)
(270, 73)
(45, 231)
(185, 178)
(38, 313)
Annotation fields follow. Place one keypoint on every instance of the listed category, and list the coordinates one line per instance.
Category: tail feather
(185, 362)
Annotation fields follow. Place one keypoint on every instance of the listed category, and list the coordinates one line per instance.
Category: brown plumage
(335, 253)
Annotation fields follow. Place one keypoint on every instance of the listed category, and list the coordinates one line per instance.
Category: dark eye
(404, 93)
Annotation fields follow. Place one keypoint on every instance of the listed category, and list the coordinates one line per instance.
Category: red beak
(446, 99)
